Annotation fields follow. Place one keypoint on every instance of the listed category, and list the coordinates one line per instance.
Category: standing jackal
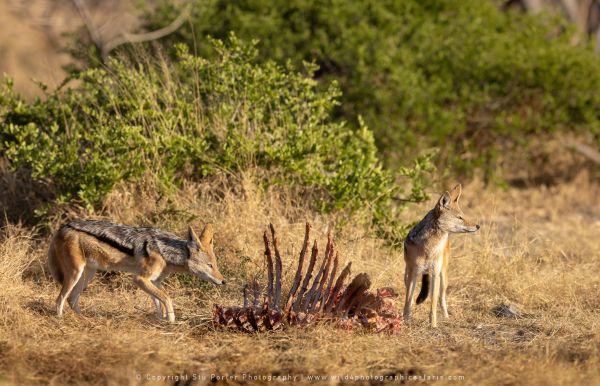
(427, 251)
(82, 247)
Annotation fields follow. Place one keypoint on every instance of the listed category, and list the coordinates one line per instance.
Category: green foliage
(72, 145)
(191, 118)
(458, 75)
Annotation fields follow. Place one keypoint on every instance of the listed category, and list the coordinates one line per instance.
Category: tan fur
(427, 251)
(74, 257)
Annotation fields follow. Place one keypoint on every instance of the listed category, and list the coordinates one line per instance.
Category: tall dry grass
(538, 248)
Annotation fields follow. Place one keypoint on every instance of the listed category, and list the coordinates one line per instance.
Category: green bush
(459, 75)
(194, 117)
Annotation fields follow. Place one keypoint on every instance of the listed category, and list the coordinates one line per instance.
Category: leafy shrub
(191, 118)
(459, 75)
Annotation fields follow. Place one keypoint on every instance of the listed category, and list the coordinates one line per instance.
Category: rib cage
(322, 298)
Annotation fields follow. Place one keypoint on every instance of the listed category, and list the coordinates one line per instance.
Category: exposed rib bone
(316, 292)
(327, 292)
(298, 275)
(320, 296)
(313, 289)
(358, 285)
(278, 268)
(337, 287)
(256, 292)
(246, 296)
(307, 277)
(269, 259)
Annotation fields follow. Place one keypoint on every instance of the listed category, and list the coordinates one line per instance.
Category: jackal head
(202, 261)
(450, 217)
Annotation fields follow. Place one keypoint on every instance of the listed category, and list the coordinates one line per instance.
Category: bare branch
(588, 151)
(106, 47)
(148, 36)
(89, 23)
(581, 20)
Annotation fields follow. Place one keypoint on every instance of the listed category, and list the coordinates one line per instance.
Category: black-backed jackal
(427, 251)
(80, 248)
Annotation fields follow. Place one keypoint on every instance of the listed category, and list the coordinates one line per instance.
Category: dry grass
(538, 248)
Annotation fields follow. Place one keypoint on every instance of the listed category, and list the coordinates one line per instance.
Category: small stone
(507, 311)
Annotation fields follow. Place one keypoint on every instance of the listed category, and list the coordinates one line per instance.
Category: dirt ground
(538, 249)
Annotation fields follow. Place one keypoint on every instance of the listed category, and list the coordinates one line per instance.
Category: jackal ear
(445, 201)
(456, 192)
(192, 240)
(206, 237)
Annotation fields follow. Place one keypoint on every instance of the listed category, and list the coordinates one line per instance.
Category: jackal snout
(451, 217)
(202, 261)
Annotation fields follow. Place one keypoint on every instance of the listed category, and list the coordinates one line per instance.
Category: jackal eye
(209, 265)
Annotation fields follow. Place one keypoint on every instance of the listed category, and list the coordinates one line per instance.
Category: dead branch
(89, 23)
(128, 38)
(106, 47)
(585, 150)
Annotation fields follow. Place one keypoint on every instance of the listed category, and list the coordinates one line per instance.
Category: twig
(588, 151)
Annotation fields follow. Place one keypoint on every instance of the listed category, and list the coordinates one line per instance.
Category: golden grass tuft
(538, 248)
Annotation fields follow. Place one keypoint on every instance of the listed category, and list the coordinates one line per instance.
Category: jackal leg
(82, 283)
(70, 279)
(161, 310)
(410, 281)
(444, 279)
(443, 287)
(146, 285)
(435, 293)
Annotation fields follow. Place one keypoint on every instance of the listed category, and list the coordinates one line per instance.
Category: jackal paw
(76, 308)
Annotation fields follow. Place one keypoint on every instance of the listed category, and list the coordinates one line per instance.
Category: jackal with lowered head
(427, 251)
(82, 247)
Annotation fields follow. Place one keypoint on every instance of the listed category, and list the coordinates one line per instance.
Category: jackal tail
(424, 289)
